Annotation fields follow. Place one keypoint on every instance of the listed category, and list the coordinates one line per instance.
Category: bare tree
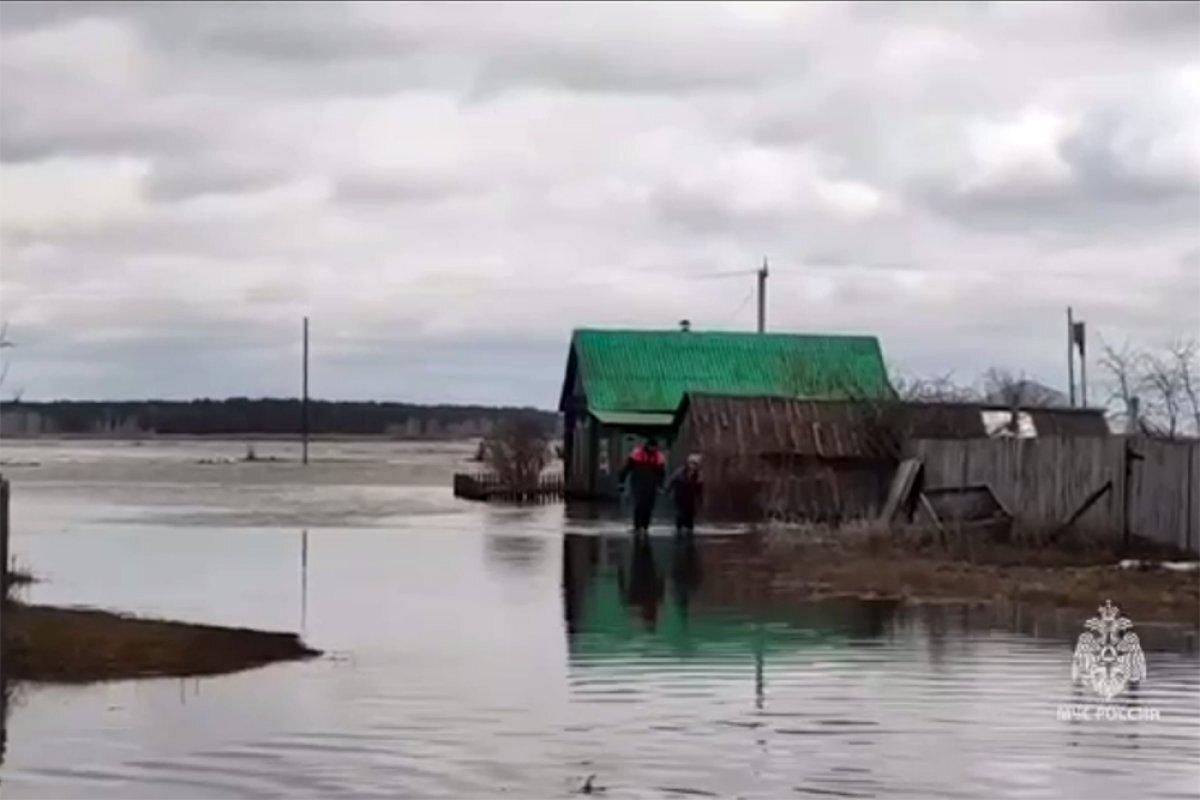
(1185, 353)
(1127, 379)
(1165, 388)
(1016, 390)
(1166, 380)
(5, 344)
(936, 389)
(517, 451)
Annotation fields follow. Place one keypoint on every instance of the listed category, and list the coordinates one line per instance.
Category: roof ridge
(696, 333)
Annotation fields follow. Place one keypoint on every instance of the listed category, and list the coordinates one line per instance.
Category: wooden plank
(5, 495)
(901, 488)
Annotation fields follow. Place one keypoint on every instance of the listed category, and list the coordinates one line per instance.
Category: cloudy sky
(448, 189)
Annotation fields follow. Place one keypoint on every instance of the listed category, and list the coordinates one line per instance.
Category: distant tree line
(245, 416)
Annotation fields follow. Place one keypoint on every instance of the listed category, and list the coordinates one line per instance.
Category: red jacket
(640, 456)
(645, 471)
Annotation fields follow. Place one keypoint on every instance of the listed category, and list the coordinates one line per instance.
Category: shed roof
(851, 428)
(780, 425)
(650, 371)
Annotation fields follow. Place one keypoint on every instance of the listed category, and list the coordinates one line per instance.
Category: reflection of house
(830, 460)
(621, 385)
(731, 615)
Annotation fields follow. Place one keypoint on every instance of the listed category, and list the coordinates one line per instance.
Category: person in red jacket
(645, 469)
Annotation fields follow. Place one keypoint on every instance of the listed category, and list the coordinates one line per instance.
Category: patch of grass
(917, 569)
(68, 645)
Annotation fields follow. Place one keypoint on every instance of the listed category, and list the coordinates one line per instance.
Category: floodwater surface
(472, 651)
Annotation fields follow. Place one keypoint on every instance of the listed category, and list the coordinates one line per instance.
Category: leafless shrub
(935, 389)
(5, 344)
(1016, 390)
(1124, 367)
(1161, 387)
(517, 451)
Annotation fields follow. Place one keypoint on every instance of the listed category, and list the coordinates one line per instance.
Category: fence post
(1126, 494)
(4, 494)
(1191, 542)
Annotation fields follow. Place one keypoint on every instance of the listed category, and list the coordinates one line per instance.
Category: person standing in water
(687, 488)
(645, 469)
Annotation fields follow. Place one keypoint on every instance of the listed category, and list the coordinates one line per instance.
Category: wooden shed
(827, 460)
(621, 385)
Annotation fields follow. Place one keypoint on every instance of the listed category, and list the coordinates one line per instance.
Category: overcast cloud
(447, 189)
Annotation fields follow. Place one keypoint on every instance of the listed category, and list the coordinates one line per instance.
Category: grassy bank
(1068, 579)
(66, 645)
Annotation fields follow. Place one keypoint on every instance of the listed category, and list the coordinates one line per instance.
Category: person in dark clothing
(687, 488)
(645, 469)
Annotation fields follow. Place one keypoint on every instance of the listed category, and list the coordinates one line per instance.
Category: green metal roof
(650, 371)
(634, 419)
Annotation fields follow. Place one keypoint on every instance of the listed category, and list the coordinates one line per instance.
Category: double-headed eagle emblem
(1108, 655)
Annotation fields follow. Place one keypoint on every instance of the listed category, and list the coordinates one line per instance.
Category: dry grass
(60, 645)
(915, 567)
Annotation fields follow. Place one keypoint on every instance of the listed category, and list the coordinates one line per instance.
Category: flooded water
(474, 651)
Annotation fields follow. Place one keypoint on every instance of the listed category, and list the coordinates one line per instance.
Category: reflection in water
(642, 586)
(693, 595)
(685, 571)
(303, 582)
(516, 551)
(580, 554)
(6, 689)
(451, 677)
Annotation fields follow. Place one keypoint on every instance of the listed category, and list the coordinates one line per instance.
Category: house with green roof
(621, 385)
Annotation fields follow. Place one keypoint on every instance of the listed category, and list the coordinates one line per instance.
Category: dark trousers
(685, 519)
(643, 510)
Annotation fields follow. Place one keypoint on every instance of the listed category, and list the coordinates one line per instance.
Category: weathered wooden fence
(1145, 487)
(4, 519)
(3, 603)
(487, 486)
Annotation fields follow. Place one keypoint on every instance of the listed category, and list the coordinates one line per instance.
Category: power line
(741, 306)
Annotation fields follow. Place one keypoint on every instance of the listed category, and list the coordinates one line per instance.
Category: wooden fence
(1139, 486)
(4, 527)
(3, 603)
(487, 486)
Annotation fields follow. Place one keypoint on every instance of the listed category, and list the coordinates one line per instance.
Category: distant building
(621, 385)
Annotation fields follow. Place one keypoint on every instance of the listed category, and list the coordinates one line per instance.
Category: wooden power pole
(1071, 355)
(762, 297)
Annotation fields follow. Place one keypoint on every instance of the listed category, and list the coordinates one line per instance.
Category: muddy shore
(1041, 591)
(1001, 579)
(75, 645)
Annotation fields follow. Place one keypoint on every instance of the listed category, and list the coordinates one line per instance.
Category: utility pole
(1081, 340)
(1071, 355)
(304, 401)
(762, 297)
